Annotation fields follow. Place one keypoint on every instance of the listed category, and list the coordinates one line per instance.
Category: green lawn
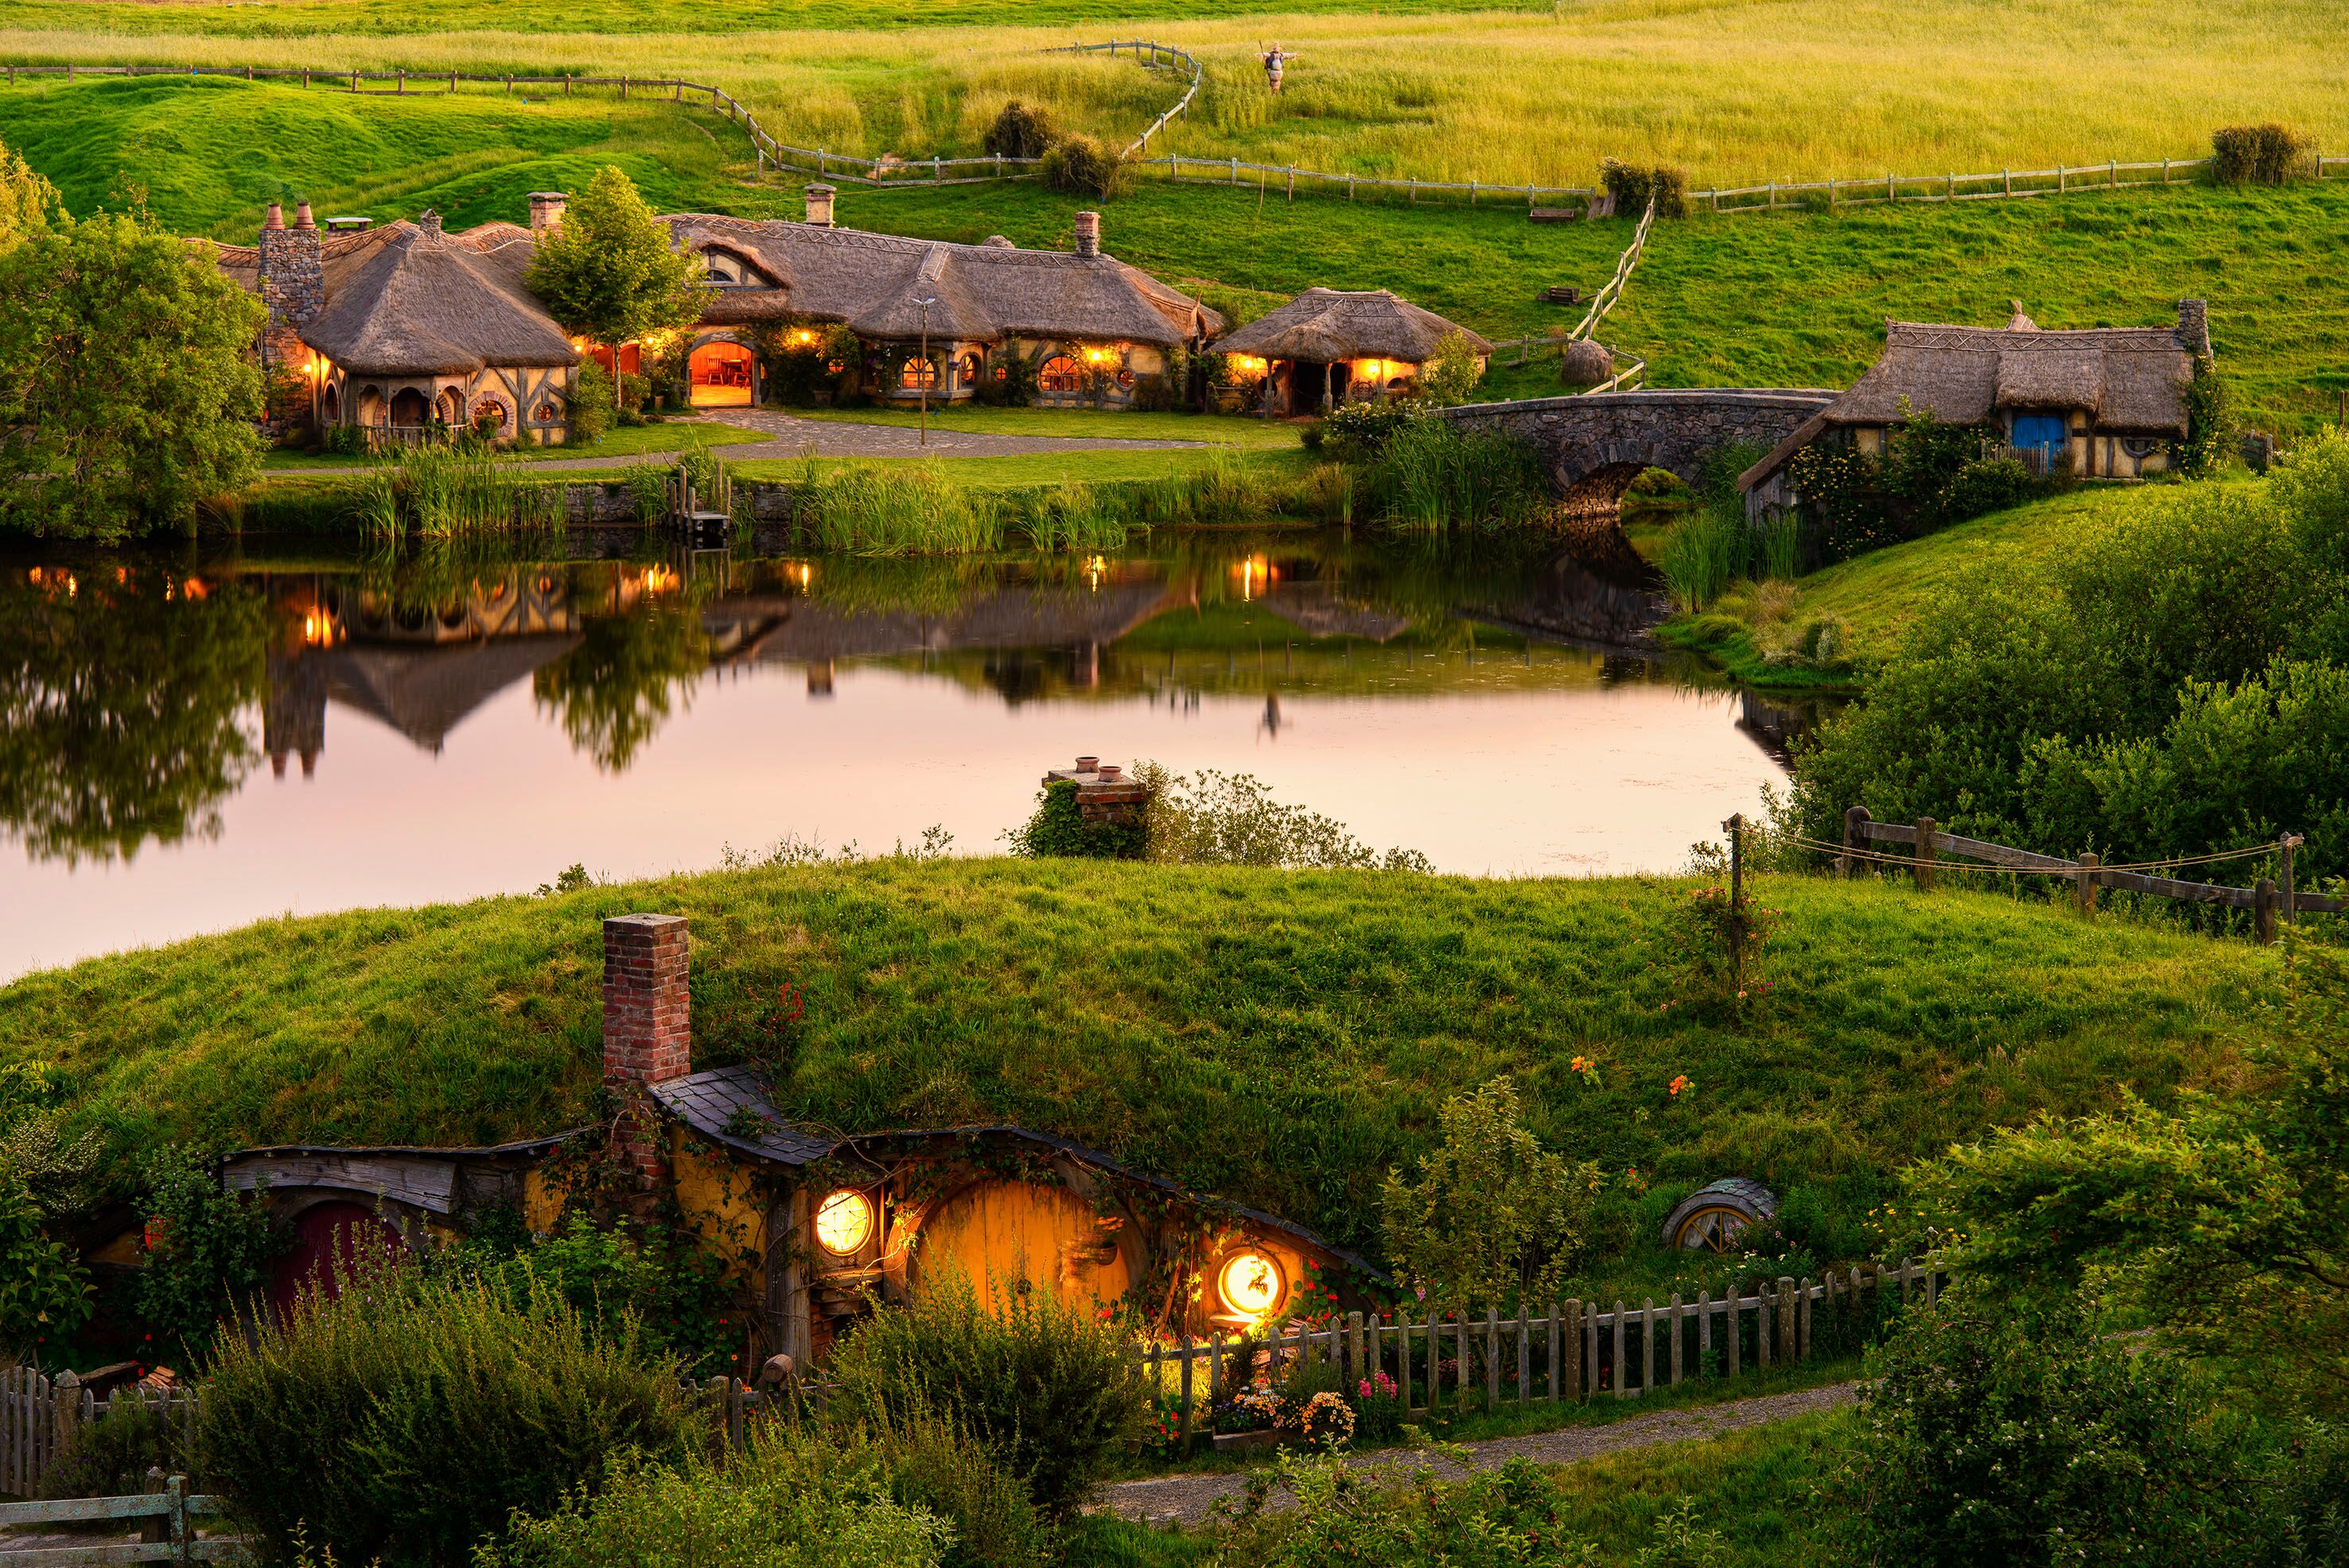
(1281, 1038)
(1253, 435)
(1045, 467)
(1755, 1486)
(623, 441)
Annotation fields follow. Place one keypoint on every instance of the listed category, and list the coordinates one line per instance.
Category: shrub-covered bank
(1282, 1037)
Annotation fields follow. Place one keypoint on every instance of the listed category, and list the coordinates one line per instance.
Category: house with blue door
(2106, 402)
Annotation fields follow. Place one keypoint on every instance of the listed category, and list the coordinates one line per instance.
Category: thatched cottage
(1332, 346)
(401, 327)
(2106, 402)
(817, 1223)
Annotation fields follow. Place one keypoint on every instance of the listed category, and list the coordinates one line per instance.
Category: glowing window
(843, 1222)
(490, 412)
(1061, 374)
(547, 414)
(918, 373)
(1251, 1283)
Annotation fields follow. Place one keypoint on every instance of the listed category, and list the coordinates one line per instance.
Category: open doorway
(722, 375)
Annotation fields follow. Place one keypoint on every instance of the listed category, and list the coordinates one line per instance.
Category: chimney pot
(1089, 233)
(819, 206)
(301, 219)
(1088, 764)
(276, 218)
(1109, 772)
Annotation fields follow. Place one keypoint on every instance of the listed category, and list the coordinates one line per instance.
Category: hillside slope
(1283, 1038)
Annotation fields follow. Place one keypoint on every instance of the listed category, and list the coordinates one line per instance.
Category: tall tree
(127, 382)
(608, 271)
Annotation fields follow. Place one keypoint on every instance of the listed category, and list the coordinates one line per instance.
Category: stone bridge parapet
(1596, 444)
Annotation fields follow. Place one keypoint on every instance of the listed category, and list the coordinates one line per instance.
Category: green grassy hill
(1281, 1038)
(1793, 299)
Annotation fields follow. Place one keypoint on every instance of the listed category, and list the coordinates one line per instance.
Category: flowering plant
(1326, 1418)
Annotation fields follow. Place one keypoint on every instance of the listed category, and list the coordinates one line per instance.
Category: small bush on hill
(1018, 131)
(1632, 185)
(410, 1418)
(2267, 154)
(1080, 166)
(1212, 819)
(1047, 1387)
(208, 1250)
(1355, 432)
(1347, 1513)
(1451, 373)
(1058, 828)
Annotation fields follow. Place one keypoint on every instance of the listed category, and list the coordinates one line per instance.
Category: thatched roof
(984, 292)
(2130, 381)
(1323, 325)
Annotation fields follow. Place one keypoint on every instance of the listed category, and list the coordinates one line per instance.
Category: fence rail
(167, 1518)
(2266, 899)
(2061, 179)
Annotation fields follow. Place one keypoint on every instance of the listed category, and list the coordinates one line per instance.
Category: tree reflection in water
(122, 695)
(616, 689)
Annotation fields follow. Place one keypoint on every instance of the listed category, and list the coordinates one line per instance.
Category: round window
(844, 1221)
(1251, 1283)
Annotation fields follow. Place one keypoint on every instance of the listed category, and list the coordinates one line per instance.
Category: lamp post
(925, 379)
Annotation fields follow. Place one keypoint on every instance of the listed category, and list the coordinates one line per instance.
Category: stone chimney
(429, 221)
(1089, 233)
(2194, 327)
(819, 206)
(293, 278)
(647, 1025)
(546, 209)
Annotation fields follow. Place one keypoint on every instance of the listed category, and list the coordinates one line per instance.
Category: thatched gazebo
(1331, 345)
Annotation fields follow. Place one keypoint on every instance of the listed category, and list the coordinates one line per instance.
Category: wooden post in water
(1924, 855)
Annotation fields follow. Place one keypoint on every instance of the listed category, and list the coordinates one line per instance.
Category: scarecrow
(1274, 59)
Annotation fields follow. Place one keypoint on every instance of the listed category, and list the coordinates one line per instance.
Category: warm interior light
(844, 1221)
(1251, 1283)
(318, 628)
(659, 581)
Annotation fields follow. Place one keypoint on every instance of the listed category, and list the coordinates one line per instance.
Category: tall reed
(1715, 545)
(1432, 474)
(441, 490)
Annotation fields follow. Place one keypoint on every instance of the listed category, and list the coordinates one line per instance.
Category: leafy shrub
(207, 1250)
(1018, 131)
(1451, 373)
(1349, 1514)
(1016, 389)
(665, 1280)
(1058, 829)
(44, 1292)
(1080, 166)
(2267, 154)
(1989, 485)
(1355, 432)
(110, 1457)
(634, 389)
(2210, 425)
(589, 404)
(1212, 819)
(2303, 1506)
(1492, 1217)
(1632, 185)
(1047, 1387)
(1152, 395)
(1989, 1437)
(795, 1497)
(410, 1418)
(1432, 473)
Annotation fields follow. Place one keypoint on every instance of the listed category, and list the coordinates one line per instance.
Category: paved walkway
(789, 436)
(1190, 1498)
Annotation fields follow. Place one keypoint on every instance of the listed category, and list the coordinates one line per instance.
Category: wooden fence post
(1703, 1331)
(1525, 1356)
(1803, 1320)
(1622, 1392)
(1924, 855)
(1736, 1348)
(1187, 1348)
(1677, 1319)
(1554, 1352)
(1762, 1353)
(2263, 912)
(2086, 896)
(1855, 821)
(2285, 845)
(1587, 1382)
(183, 1542)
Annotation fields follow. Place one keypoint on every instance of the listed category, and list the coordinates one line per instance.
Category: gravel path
(1189, 1499)
(788, 436)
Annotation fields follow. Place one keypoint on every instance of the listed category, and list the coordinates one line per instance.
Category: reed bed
(448, 491)
(1739, 93)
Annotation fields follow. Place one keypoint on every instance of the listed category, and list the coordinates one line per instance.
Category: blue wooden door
(2047, 433)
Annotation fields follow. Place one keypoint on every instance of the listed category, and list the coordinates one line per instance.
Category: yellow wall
(723, 1201)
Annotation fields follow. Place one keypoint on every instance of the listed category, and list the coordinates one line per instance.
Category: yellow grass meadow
(1736, 93)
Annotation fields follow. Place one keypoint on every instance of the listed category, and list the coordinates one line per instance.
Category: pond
(196, 738)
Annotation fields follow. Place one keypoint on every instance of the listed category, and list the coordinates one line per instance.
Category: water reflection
(139, 691)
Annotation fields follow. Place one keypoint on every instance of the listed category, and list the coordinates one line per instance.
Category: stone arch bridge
(1594, 445)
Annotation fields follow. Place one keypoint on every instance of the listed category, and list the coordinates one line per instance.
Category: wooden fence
(1572, 1351)
(167, 1534)
(2266, 899)
(38, 1416)
(2061, 179)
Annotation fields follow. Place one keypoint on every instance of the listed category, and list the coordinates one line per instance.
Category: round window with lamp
(843, 1222)
(1251, 1285)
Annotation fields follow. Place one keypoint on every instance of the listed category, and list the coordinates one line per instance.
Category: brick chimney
(293, 278)
(1105, 797)
(546, 209)
(2194, 327)
(648, 1023)
(1089, 233)
(819, 206)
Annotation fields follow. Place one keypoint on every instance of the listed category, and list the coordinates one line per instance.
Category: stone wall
(1595, 445)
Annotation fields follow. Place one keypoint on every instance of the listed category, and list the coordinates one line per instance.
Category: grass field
(1793, 299)
(1740, 92)
(1281, 1038)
